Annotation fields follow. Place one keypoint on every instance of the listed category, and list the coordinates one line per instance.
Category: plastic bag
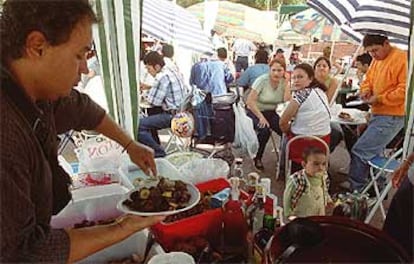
(245, 137)
(99, 154)
(201, 170)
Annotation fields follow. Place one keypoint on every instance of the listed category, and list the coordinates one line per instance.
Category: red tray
(206, 224)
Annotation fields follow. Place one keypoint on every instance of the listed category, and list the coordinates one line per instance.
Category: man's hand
(372, 100)
(144, 86)
(399, 175)
(143, 156)
(365, 95)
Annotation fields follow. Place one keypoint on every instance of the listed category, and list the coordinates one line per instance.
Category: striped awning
(172, 23)
(386, 17)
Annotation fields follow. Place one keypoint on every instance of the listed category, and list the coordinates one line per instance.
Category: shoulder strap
(326, 107)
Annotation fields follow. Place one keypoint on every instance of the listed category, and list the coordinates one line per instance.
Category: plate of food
(346, 116)
(160, 197)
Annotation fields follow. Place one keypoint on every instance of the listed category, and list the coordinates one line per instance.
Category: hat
(280, 50)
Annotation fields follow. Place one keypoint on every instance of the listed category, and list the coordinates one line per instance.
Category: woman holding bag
(267, 92)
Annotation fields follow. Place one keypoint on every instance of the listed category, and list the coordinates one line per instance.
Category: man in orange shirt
(384, 89)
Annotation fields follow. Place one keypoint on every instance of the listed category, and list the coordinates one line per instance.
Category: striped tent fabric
(386, 17)
(117, 42)
(337, 11)
(171, 23)
(359, 17)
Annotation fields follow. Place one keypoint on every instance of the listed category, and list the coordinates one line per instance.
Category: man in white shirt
(242, 49)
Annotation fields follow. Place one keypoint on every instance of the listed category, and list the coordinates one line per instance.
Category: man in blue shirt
(212, 76)
(261, 67)
(167, 92)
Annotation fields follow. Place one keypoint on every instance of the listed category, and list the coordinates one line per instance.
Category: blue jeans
(157, 122)
(263, 134)
(380, 131)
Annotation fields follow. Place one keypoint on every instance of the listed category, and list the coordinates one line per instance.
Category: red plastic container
(207, 224)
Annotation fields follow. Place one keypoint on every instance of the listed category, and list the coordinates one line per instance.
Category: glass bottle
(255, 215)
(235, 226)
(237, 168)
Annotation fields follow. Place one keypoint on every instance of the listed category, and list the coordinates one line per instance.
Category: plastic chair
(300, 143)
(380, 167)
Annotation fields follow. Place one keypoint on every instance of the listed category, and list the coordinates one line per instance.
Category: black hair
(261, 56)
(154, 58)
(364, 59)
(370, 40)
(310, 151)
(311, 74)
(321, 59)
(222, 53)
(55, 19)
(167, 50)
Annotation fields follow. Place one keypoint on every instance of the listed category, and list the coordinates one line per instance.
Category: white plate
(355, 103)
(194, 199)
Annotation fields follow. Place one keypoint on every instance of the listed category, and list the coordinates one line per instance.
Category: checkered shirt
(168, 90)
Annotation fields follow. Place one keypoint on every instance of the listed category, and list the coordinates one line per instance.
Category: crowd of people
(38, 102)
(309, 91)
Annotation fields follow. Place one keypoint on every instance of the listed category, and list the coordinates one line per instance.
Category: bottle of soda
(235, 226)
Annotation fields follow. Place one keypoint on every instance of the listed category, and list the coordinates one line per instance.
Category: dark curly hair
(55, 19)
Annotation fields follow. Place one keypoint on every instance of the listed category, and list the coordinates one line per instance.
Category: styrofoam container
(134, 244)
(129, 172)
(92, 203)
(99, 203)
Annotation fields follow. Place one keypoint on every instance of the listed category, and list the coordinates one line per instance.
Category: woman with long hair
(322, 68)
(309, 106)
(267, 92)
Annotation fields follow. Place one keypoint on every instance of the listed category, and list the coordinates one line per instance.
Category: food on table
(346, 116)
(96, 178)
(135, 258)
(198, 247)
(168, 195)
(203, 205)
(86, 223)
(181, 158)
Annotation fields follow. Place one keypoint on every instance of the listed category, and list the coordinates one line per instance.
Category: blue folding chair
(381, 167)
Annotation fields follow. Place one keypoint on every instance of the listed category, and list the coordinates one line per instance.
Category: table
(358, 116)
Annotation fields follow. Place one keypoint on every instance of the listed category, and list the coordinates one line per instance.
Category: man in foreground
(43, 54)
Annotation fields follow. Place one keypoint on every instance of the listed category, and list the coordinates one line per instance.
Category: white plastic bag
(245, 137)
(99, 154)
(201, 170)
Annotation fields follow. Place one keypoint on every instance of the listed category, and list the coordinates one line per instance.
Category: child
(306, 191)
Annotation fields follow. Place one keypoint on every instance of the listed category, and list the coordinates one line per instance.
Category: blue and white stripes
(385, 17)
(171, 23)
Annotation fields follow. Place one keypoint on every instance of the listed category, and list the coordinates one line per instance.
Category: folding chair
(381, 167)
(300, 143)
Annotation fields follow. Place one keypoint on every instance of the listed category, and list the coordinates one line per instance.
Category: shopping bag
(245, 137)
(99, 154)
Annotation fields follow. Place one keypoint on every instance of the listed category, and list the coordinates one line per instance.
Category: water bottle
(237, 168)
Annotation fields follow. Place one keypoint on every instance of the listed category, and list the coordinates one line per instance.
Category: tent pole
(332, 102)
